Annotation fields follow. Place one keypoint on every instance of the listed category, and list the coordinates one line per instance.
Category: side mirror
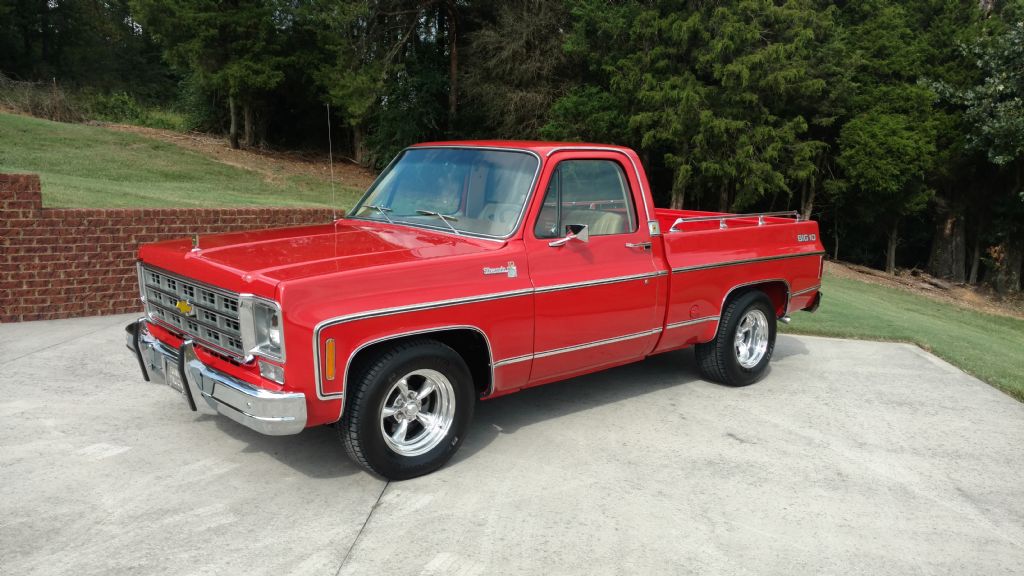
(579, 232)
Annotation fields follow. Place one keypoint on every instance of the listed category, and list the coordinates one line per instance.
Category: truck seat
(499, 213)
(599, 222)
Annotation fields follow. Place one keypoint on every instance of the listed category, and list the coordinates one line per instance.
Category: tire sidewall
(739, 375)
(433, 356)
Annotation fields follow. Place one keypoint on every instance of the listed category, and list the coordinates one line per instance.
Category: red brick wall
(66, 262)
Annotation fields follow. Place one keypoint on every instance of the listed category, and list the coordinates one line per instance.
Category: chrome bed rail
(724, 217)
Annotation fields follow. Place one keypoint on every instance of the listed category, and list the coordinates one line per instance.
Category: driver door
(595, 300)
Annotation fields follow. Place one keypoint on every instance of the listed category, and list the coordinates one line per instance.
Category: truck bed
(712, 254)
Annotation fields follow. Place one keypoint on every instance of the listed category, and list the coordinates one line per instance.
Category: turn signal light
(329, 358)
(272, 372)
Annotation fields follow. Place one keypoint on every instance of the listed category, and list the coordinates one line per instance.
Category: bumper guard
(210, 391)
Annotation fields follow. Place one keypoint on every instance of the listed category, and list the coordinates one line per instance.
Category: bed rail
(722, 219)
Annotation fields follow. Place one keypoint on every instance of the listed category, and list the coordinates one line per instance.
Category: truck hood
(257, 261)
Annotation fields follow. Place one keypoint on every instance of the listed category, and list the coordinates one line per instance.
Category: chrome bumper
(210, 391)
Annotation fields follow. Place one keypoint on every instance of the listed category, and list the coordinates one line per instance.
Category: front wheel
(408, 410)
(743, 346)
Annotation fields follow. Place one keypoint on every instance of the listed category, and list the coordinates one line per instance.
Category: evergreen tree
(230, 47)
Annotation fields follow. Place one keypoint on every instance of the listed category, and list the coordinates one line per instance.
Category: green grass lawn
(989, 347)
(90, 167)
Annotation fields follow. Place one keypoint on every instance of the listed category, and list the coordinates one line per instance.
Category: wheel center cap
(411, 409)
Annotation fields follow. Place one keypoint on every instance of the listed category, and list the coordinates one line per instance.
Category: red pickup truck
(467, 271)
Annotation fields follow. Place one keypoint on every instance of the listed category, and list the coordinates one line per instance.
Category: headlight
(261, 327)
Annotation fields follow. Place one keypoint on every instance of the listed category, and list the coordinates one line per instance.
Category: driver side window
(591, 192)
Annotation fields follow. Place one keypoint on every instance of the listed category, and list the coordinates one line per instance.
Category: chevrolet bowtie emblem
(184, 307)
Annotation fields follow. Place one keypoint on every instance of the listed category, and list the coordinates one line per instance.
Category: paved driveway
(850, 458)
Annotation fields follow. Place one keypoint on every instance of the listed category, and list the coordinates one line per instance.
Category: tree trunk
(835, 229)
(723, 198)
(676, 200)
(975, 259)
(261, 131)
(1008, 269)
(808, 207)
(44, 40)
(233, 131)
(453, 66)
(948, 245)
(890, 253)
(249, 120)
(359, 145)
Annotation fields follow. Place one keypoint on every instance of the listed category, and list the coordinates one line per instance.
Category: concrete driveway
(850, 458)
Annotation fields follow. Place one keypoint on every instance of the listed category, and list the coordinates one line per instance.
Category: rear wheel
(743, 346)
(408, 410)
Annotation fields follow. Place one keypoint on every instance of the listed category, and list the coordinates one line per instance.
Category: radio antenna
(330, 159)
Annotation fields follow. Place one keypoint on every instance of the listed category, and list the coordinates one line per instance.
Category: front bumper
(210, 391)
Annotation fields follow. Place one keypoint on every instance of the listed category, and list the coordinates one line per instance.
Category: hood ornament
(195, 242)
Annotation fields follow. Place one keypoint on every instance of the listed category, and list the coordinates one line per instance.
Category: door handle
(643, 245)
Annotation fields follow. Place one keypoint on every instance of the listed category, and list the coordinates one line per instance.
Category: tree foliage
(899, 125)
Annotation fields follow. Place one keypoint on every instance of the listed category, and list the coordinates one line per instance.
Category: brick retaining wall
(66, 262)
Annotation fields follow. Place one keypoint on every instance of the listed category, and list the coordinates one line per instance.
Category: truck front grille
(213, 318)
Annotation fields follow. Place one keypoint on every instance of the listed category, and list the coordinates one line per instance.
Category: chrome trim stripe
(577, 347)
(691, 322)
(444, 304)
(599, 282)
(805, 290)
(522, 212)
(746, 261)
(387, 312)
(514, 360)
(640, 181)
(597, 343)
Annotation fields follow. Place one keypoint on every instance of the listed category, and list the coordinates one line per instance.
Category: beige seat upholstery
(499, 213)
(598, 222)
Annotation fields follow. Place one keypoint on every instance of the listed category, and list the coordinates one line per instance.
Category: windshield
(465, 190)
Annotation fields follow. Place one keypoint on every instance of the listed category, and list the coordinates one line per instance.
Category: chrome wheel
(417, 412)
(751, 341)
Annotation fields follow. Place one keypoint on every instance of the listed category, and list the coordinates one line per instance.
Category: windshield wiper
(383, 211)
(443, 218)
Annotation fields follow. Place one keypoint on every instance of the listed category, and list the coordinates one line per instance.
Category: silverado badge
(185, 307)
(509, 269)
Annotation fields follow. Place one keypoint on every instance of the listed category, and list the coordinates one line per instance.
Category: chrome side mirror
(579, 232)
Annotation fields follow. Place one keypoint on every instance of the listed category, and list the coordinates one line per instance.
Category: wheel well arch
(470, 342)
(777, 289)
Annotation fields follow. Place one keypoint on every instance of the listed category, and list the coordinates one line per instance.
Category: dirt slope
(271, 164)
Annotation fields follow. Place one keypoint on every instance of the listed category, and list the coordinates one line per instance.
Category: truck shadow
(786, 346)
(315, 452)
(508, 414)
(318, 453)
(675, 369)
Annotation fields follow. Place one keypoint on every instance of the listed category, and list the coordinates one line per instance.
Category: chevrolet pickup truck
(467, 271)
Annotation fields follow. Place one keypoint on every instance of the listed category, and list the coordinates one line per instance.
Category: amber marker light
(329, 358)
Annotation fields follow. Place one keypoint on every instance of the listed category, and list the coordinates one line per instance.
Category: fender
(355, 352)
(725, 299)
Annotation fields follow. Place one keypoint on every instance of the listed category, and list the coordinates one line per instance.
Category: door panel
(595, 301)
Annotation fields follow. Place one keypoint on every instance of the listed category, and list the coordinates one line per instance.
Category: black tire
(717, 359)
(369, 386)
